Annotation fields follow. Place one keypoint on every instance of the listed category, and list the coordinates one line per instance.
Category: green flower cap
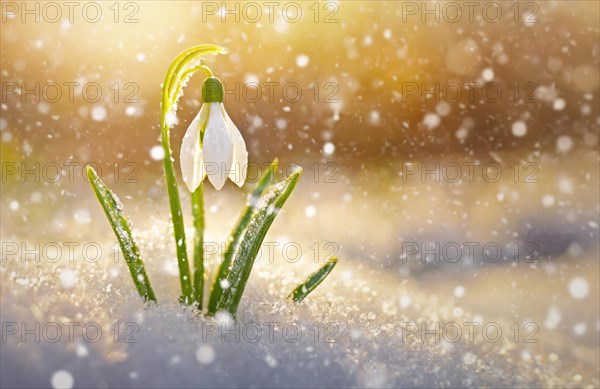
(212, 90)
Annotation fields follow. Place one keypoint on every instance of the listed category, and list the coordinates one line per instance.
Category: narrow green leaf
(114, 212)
(267, 209)
(236, 233)
(312, 281)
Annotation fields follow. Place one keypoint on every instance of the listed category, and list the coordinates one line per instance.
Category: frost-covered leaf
(267, 209)
(120, 225)
(312, 281)
(236, 233)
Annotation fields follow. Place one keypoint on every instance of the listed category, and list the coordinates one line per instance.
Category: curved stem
(186, 74)
(173, 79)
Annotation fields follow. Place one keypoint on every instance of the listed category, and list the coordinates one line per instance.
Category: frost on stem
(266, 210)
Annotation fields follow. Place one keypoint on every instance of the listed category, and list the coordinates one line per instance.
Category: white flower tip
(238, 173)
(191, 185)
(216, 181)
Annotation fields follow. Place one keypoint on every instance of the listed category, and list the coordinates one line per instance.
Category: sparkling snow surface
(353, 327)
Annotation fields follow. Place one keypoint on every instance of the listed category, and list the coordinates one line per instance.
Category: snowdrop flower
(212, 145)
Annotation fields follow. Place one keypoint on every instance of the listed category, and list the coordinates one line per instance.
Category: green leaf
(236, 233)
(312, 281)
(267, 209)
(114, 212)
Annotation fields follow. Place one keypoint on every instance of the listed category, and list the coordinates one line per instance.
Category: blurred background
(416, 123)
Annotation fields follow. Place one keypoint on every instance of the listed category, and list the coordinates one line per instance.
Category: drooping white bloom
(212, 145)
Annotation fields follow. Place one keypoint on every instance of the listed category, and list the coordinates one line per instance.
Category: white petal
(190, 155)
(239, 169)
(218, 147)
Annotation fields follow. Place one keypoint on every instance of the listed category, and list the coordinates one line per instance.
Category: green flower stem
(176, 215)
(198, 214)
(187, 74)
(172, 86)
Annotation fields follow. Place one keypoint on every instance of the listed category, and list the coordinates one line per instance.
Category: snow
(99, 113)
(62, 379)
(205, 354)
(374, 118)
(559, 104)
(459, 291)
(488, 74)
(519, 129)
(431, 120)
(14, 205)
(579, 288)
(564, 144)
(157, 153)
(302, 60)
(364, 305)
(68, 278)
(328, 148)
